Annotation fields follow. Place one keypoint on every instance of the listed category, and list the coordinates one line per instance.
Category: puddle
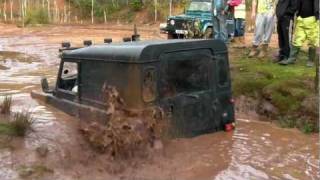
(6, 171)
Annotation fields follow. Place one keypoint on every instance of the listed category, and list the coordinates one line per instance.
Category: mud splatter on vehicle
(124, 133)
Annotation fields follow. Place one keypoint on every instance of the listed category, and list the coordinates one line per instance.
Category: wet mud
(255, 150)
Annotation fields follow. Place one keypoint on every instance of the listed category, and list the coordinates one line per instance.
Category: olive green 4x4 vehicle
(188, 79)
(196, 22)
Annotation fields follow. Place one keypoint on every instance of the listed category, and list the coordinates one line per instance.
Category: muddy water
(255, 150)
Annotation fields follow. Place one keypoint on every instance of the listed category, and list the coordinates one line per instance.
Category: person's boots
(264, 51)
(254, 51)
(294, 51)
(311, 56)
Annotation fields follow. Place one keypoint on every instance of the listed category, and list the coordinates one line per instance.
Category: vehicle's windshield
(200, 6)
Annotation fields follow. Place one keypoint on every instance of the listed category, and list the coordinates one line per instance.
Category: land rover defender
(196, 22)
(188, 79)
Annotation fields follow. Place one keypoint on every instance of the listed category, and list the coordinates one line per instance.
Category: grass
(5, 106)
(285, 87)
(20, 124)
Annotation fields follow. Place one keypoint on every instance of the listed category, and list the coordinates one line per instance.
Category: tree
(5, 10)
(11, 10)
(155, 10)
(92, 8)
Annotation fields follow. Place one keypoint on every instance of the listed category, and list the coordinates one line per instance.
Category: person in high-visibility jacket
(306, 29)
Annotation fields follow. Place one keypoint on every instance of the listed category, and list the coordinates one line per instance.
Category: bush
(37, 16)
(136, 5)
(5, 106)
(21, 123)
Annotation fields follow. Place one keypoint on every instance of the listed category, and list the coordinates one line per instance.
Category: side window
(68, 80)
(223, 72)
(149, 87)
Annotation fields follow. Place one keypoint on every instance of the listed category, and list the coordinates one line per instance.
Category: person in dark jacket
(285, 11)
(306, 29)
(316, 9)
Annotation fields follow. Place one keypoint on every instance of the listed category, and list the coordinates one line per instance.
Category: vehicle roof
(141, 51)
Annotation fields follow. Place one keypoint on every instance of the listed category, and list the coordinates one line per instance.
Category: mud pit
(255, 150)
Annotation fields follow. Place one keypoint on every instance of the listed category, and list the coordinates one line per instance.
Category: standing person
(239, 21)
(285, 11)
(263, 12)
(220, 8)
(306, 29)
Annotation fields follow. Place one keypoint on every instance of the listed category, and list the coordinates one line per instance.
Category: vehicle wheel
(208, 34)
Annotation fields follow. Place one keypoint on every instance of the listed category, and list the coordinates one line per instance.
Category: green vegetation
(36, 16)
(20, 124)
(136, 5)
(290, 89)
(113, 9)
(5, 106)
(34, 12)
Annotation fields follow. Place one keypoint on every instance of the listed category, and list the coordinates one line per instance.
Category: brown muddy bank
(255, 150)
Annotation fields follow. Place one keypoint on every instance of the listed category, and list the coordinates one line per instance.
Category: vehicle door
(185, 91)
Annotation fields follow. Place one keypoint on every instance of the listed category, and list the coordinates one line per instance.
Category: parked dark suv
(188, 79)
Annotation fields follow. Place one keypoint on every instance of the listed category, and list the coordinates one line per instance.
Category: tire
(208, 33)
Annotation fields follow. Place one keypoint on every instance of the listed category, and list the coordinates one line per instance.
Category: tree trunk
(22, 12)
(105, 16)
(92, 4)
(64, 14)
(5, 10)
(69, 12)
(155, 10)
(170, 8)
(56, 15)
(317, 83)
(48, 9)
(25, 7)
(11, 10)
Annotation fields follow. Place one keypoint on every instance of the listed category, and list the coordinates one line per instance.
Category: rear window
(185, 72)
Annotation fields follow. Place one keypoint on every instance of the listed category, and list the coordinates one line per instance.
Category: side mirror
(45, 85)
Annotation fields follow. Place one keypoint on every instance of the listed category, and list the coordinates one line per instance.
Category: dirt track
(255, 150)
